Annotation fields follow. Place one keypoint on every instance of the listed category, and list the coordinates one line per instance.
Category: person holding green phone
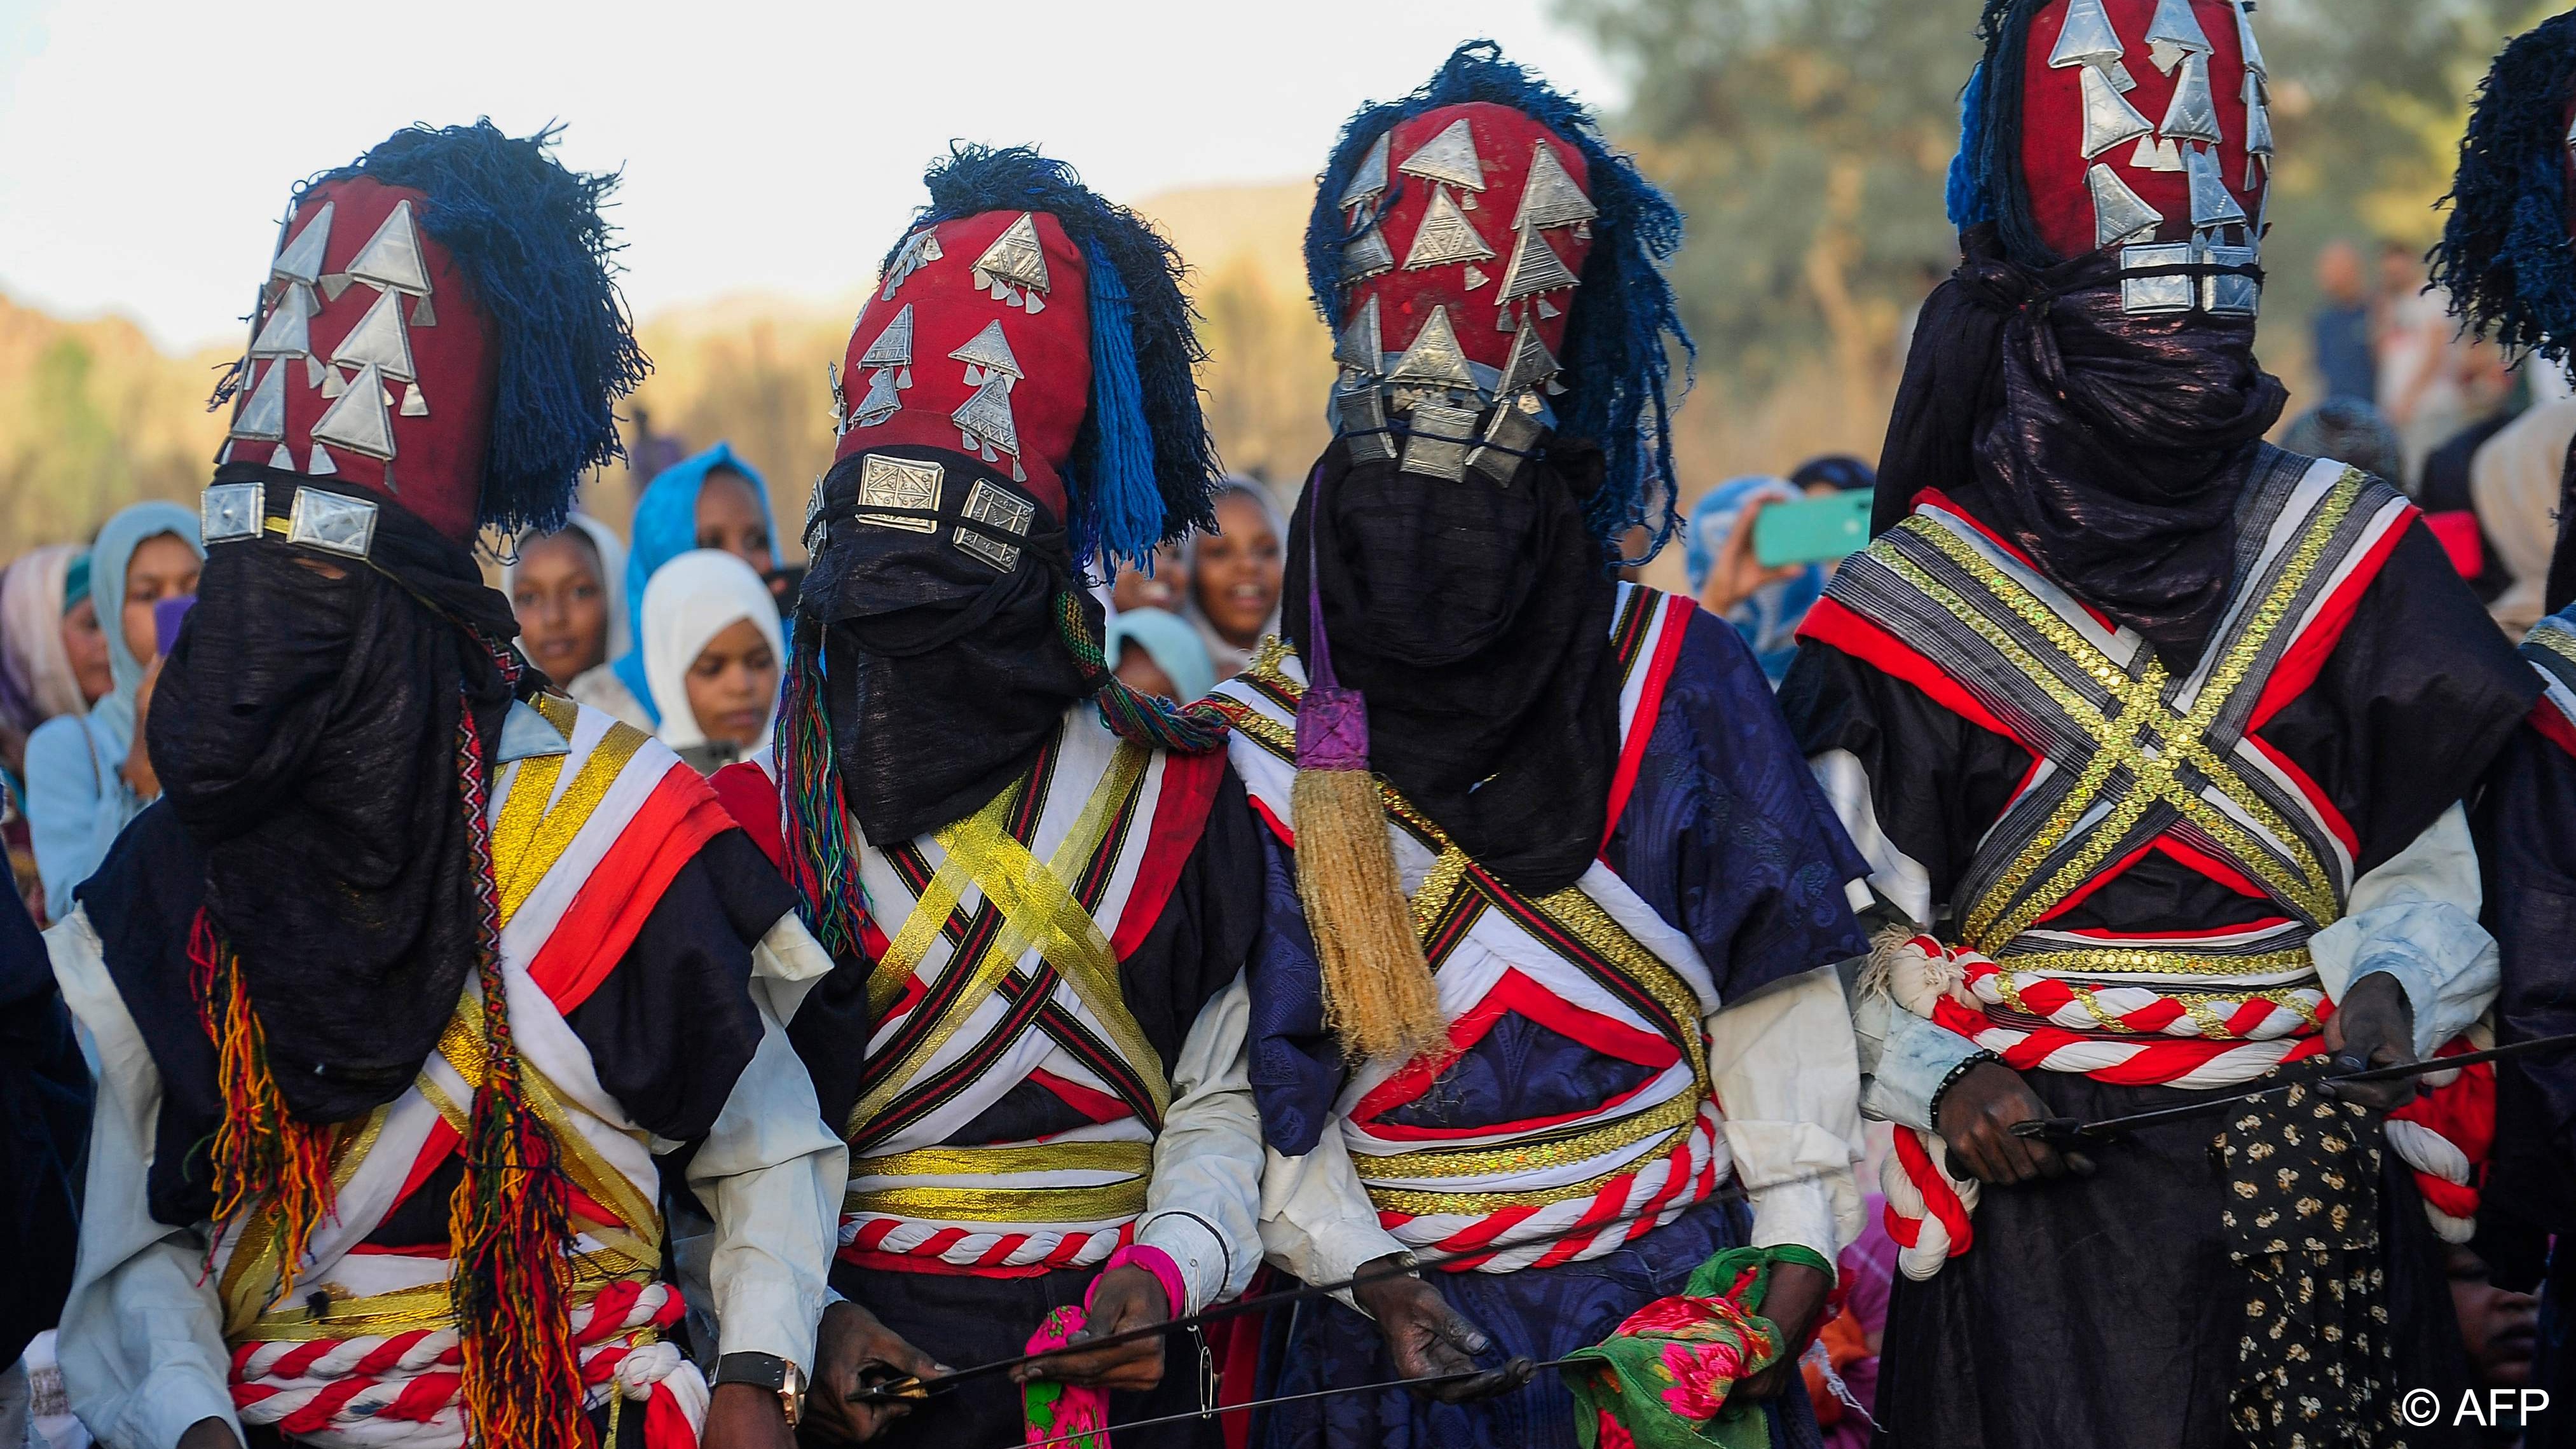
(1765, 603)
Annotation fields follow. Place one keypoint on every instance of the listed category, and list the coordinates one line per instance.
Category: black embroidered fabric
(304, 728)
(943, 674)
(2110, 448)
(1476, 619)
(2316, 1365)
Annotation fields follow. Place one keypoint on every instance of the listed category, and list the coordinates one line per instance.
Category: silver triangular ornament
(1446, 235)
(301, 259)
(283, 459)
(285, 333)
(333, 384)
(415, 403)
(2177, 29)
(991, 351)
(1357, 347)
(2118, 212)
(893, 347)
(379, 340)
(2258, 118)
(1369, 182)
(2109, 119)
(315, 369)
(422, 314)
(2246, 44)
(2121, 80)
(881, 402)
(1449, 156)
(2154, 154)
(919, 250)
(987, 415)
(2087, 38)
(1434, 359)
(1549, 196)
(2212, 204)
(1535, 268)
(322, 467)
(2193, 114)
(263, 413)
(1367, 255)
(1530, 364)
(391, 258)
(357, 420)
(334, 283)
(1015, 258)
(1476, 276)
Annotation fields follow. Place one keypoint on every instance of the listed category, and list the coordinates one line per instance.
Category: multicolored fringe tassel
(508, 1224)
(1131, 714)
(263, 1158)
(821, 864)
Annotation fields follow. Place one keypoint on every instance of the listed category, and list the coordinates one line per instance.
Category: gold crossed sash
(1037, 908)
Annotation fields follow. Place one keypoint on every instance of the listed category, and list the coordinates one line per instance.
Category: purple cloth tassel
(1332, 722)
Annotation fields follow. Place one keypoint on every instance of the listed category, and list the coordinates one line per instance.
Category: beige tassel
(1379, 997)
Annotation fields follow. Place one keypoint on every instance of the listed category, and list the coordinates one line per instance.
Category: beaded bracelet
(1966, 1065)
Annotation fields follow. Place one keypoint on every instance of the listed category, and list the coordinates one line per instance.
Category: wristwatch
(767, 1371)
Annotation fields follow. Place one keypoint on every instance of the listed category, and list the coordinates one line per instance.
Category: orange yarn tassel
(264, 1160)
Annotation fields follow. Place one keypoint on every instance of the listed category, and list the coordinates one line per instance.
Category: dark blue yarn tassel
(1126, 509)
(1969, 202)
(2504, 252)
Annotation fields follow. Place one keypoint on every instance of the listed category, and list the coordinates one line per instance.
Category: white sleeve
(1203, 1205)
(2416, 919)
(1316, 1220)
(1787, 1075)
(141, 1346)
(1896, 876)
(772, 1175)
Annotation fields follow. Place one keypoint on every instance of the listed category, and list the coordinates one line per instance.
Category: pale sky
(147, 146)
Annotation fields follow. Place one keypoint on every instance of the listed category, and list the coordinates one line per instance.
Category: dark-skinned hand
(208, 1433)
(1975, 1120)
(853, 1352)
(1121, 1299)
(1795, 1300)
(1428, 1338)
(2373, 1026)
(746, 1416)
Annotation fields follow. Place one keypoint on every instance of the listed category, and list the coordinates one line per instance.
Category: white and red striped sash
(1592, 963)
(1085, 850)
(583, 844)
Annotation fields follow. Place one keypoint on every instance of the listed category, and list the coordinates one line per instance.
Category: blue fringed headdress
(1143, 470)
(1617, 363)
(2504, 253)
(1986, 183)
(528, 236)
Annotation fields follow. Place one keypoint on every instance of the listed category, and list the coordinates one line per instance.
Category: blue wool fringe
(528, 235)
(2504, 252)
(1157, 389)
(1624, 325)
(1126, 508)
(1969, 202)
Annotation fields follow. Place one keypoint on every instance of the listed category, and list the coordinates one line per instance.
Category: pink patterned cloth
(1058, 1413)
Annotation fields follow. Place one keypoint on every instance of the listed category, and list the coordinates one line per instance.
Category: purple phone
(165, 621)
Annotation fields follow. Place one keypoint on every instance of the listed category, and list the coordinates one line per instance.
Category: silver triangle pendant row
(360, 372)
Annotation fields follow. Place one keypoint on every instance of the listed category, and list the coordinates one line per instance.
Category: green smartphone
(1812, 530)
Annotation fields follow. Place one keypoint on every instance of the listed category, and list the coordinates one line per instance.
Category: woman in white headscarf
(712, 654)
(568, 589)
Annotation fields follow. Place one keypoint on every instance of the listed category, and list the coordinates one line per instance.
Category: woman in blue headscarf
(1765, 605)
(88, 774)
(714, 500)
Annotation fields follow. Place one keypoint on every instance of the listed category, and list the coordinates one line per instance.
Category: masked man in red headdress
(2156, 739)
(424, 996)
(1040, 886)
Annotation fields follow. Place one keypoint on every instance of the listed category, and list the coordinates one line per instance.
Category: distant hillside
(93, 418)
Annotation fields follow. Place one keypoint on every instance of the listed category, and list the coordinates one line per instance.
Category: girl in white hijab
(712, 653)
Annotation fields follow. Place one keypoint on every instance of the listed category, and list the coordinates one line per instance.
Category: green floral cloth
(1664, 1379)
